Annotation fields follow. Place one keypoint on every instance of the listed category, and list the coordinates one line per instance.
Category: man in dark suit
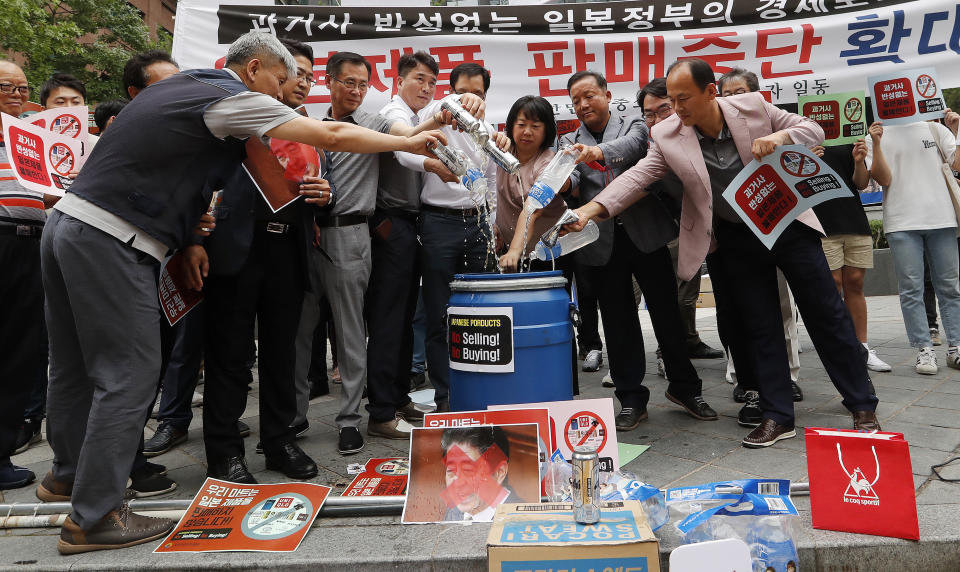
(257, 276)
(631, 244)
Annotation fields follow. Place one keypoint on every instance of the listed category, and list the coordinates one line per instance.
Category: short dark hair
(135, 70)
(656, 88)
(481, 438)
(59, 79)
(337, 60)
(470, 69)
(700, 70)
(409, 62)
(298, 48)
(597, 76)
(107, 109)
(750, 78)
(537, 108)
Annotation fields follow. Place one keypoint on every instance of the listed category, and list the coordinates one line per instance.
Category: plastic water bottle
(551, 179)
(468, 123)
(771, 544)
(566, 243)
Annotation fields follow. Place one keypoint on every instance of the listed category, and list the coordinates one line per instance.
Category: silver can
(468, 123)
(504, 160)
(585, 483)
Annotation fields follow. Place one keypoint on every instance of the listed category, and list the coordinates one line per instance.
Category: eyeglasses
(661, 112)
(352, 85)
(9, 88)
(307, 77)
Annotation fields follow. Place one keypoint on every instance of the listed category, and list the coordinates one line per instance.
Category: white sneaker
(607, 381)
(953, 357)
(731, 375)
(874, 363)
(926, 361)
(593, 361)
(935, 336)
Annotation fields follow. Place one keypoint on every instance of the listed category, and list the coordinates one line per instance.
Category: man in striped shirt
(21, 313)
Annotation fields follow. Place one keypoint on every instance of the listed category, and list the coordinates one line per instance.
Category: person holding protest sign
(22, 337)
(137, 199)
(633, 244)
(920, 222)
(709, 141)
(735, 82)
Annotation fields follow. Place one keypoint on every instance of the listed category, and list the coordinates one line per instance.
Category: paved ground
(683, 451)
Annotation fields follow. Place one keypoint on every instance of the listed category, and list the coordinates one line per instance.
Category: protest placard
(480, 338)
(841, 115)
(228, 516)
(41, 160)
(175, 298)
(462, 474)
(906, 96)
(770, 193)
(580, 422)
(278, 169)
(380, 477)
(71, 122)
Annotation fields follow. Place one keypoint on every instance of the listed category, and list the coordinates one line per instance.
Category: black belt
(274, 227)
(451, 212)
(398, 213)
(27, 230)
(341, 220)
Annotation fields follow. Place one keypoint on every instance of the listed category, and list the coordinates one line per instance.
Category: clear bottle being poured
(552, 246)
(463, 167)
(551, 179)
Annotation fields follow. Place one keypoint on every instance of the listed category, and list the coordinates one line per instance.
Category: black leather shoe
(417, 380)
(796, 391)
(750, 414)
(738, 394)
(231, 469)
(866, 421)
(695, 406)
(629, 418)
(290, 460)
(703, 351)
(14, 476)
(243, 429)
(167, 437)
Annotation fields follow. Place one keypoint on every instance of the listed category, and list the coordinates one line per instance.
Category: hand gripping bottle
(566, 243)
(551, 179)
(462, 166)
(468, 123)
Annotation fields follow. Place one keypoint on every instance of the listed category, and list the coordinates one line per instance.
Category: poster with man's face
(461, 474)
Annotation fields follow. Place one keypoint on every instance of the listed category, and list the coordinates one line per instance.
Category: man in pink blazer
(706, 144)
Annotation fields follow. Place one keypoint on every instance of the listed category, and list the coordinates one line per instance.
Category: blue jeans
(939, 247)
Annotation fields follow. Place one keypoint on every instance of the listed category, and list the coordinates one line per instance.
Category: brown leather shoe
(52, 490)
(119, 529)
(768, 433)
(866, 421)
(410, 413)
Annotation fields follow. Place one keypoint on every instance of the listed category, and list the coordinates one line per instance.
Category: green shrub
(879, 238)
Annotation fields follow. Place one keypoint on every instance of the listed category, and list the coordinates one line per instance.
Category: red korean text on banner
(861, 482)
(766, 198)
(826, 114)
(28, 156)
(894, 98)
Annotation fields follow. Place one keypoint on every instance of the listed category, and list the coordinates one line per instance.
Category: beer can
(504, 160)
(467, 122)
(585, 484)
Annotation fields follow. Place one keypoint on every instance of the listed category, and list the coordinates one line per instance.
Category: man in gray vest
(136, 200)
(632, 244)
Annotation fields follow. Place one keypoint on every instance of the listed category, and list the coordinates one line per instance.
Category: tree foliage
(91, 39)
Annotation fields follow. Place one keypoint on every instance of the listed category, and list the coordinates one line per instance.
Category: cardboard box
(706, 299)
(541, 537)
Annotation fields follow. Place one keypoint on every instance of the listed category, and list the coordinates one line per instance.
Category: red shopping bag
(861, 482)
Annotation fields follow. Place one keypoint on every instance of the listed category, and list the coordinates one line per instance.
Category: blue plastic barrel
(540, 333)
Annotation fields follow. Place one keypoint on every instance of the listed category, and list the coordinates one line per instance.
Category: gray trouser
(309, 317)
(344, 272)
(103, 320)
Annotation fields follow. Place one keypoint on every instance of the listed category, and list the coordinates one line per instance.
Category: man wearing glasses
(21, 320)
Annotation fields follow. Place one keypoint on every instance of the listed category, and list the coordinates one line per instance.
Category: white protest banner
(906, 96)
(70, 121)
(796, 47)
(40, 159)
(580, 422)
(769, 194)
